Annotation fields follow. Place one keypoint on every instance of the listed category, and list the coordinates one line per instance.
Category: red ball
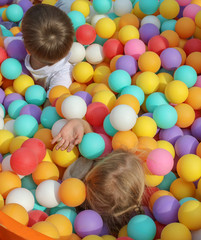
(125, 238)
(37, 146)
(157, 44)
(192, 45)
(99, 130)
(23, 161)
(159, 229)
(36, 216)
(3, 55)
(108, 145)
(96, 113)
(113, 47)
(86, 34)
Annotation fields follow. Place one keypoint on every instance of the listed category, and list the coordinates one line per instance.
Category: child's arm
(71, 134)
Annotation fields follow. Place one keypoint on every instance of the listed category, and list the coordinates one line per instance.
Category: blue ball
(154, 100)
(112, 15)
(15, 108)
(92, 145)
(59, 207)
(108, 126)
(77, 19)
(168, 25)
(148, 6)
(14, 13)
(167, 181)
(141, 227)
(49, 116)
(11, 68)
(69, 213)
(35, 95)
(186, 199)
(28, 183)
(102, 6)
(186, 74)
(25, 125)
(118, 80)
(135, 91)
(7, 33)
(161, 18)
(165, 116)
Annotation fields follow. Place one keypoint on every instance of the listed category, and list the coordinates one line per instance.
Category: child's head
(115, 188)
(47, 33)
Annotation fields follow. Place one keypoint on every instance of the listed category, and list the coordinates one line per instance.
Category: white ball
(47, 193)
(21, 196)
(123, 117)
(94, 53)
(9, 125)
(74, 107)
(77, 53)
(57, 126)
(151, 19)
(96, 18)
(1, 123)
(122, 7)
(196, 235)
(2, 113)
(6, 164)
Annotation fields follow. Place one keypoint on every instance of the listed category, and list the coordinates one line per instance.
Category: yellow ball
(148, 82)
(197, 2)
(5, 139)
(105, 27)
(150, 179)
(16, 143)
(189, 167)
(81, 6)
(9, 90)
(83, 72)
(176, 92)
(164, 79)
(106, 97)
(49, 2)
(108, 237)
(48, 156)
(4, 17)
(149, 61)
(198, 19)
(75, 87)
(64, 158)
(47, 229)
(190, 214)
(101, 74)
(1, 201)
(99, 87)
(145, 127)
(21, 83)
(181, 189)
(123, 232)
(137, 12)
(169, 9)
(127, 33)
(92, 237)
(90, 87)
(175, 231)
(167, 146)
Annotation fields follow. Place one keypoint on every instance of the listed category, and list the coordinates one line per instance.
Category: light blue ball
(7, 33)
(2, 10)
(35, 94)
(77, 19)
(135, 91)
(186, 199)
(186, 74)
(112, 15)
(141, 227)
(154, 100)
(168, 25)
(11, 68)
(59, 207)
(28, 183)
(69, 213)
(100, 40)
(165, 116)
(148, 6)
(92, 145)
(14, 13)
(102, 6)
(118, 80)
(49, 116)
(25, 125)
(4, 110)
(167, 181)
(37, 206)
(161, 18)
(15, 107)
(108, 126)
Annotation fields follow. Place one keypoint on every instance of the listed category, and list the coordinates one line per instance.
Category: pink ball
(160, 162)
(184, 2)
(108, 145)
(134, 48)
(191, 10)
(198, 82)
(36, 216)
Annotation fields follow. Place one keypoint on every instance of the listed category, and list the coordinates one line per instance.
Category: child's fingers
(78, 139)
(65, 146)
(60, 144)
(55, 139)
(71, 146)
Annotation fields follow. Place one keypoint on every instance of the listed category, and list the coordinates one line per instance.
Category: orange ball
(99, 87)
(149, 61)
(186, 115)
(90, 87)
(73, 236)
(113, 62)
(156, 195)
(45, 135)
(198, 150)
(129, 19)
(129, 100)
(15, 30)
(8, 182)
(147, 143)
(17, 212)
(56, 92)
(194, 98)
(45, 171)
(72, 192)
(59, 102)
(185, 27)
(183, 55)
(193, 60)
(75, 87)
(172, 37)
(134, 78)
(126, 140)
(47, 229)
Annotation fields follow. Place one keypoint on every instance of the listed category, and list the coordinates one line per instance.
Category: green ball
(102, 6)
(148, 6)
(49, 116)
(108, 126)
(14, 13)
(28, 183)
(35, 94)
(15, 107)
(11, 68)
(186, 74)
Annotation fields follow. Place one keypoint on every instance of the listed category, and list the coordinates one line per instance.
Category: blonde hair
(115, 188)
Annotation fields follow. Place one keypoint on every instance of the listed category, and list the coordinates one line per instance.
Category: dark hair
(47, 33)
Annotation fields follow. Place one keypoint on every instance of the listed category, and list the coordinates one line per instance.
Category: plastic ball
(169, 9)
(77, 53)
(154, 100)
(128, 64)
(81, 6)
(172, 37)
(148, 7)
(108, 126)
(15, 108)
(106, 97)
(112, 47)
(16, 49)
(191, 10)
(10, 98)
(185, 27)
(36, 216)
(124, 139)
(195, 129)
(157, 44)
(94, 53)
(4, 54)
(45, 136)
(193, 61)
(167, 181)
(16, 143)
(128, 19)
(186, 145)
(14, 13)
(102, 6)
(57, 126)
(193, 98)
(35, 95)
(47, 229)
(135, 91)
(186, 115)
(57, 92)
(49, 116)
(86, 34)
(21, 84)
(149, 61)
(83, 72)
(186, 74)
(167, 146)
(67, 212)
(127, 33)
(5, 140)
(77, 18)
(11, 68)
(121, 8)
(129, 100)
(105, 27)
(170, 59)
(33, 110)
(141, 227)
(134, 48)
(147, 31)
(198, 19)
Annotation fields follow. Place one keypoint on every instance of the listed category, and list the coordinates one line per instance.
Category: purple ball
(16, 49)
(84, 95)
(196, 129)
(3, 2)
(88, 222)
(170, 58)
(2, 95)
(171, 134)
(24, 69)
(1, 158)
(128, 64)
(186, 131)
(165, 209)
(186, 145)
(10, 98)
(180, 15)
(25, 5)
(148, 212)
(105, 230)
(33, 110)
(147, 31)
